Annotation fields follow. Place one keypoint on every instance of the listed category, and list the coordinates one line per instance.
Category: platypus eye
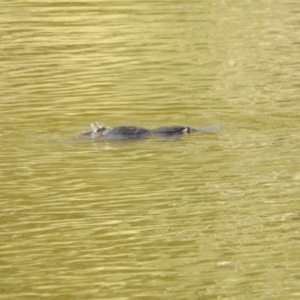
(186, 130)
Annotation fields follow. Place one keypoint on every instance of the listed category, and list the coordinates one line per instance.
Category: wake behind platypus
(133, 132)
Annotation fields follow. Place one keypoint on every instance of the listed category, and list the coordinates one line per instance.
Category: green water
(205, 216)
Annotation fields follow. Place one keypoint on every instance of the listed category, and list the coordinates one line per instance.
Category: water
(205, 216)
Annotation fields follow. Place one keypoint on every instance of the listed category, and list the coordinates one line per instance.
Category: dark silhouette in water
(119, 132)
(173, 130)
(132, 132)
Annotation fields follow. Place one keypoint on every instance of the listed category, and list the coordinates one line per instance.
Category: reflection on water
(209, 215)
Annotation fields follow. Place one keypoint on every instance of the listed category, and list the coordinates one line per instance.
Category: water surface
(204, 216)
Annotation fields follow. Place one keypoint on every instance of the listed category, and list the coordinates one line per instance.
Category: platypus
(133, 132)
(119, 132)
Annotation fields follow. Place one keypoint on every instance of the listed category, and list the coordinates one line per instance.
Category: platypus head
(188, 130)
